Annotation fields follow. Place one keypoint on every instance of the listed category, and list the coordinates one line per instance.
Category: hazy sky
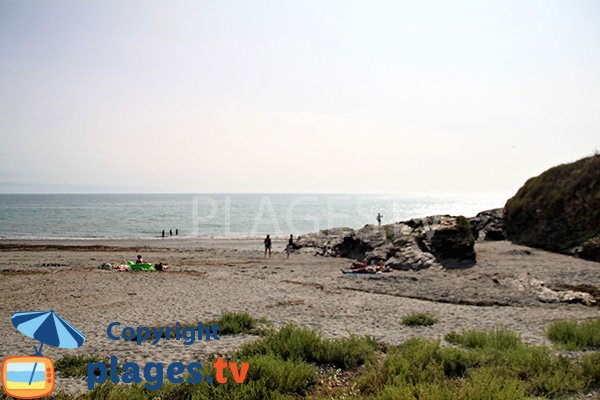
(295, 96)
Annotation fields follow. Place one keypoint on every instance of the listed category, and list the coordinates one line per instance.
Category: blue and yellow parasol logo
(30, 377)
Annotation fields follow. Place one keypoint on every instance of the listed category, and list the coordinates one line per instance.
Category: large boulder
(590, 249)
(489, 225)
(559, 210)
(450, 240)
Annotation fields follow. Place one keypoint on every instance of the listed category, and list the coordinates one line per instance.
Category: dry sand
(212, 276)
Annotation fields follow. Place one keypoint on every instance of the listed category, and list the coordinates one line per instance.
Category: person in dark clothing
(177, 232)
(170, 232)
(267, 242)
(379, 217)
(290, 246)
(163, 233)
(139, 260)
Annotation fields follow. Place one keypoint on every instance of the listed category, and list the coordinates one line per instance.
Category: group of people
(159, 266)
(171, 232)
(290, 247)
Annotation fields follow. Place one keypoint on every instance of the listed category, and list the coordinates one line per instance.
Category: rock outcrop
(489, 225)
(554, 295)
(590, 249)
(559, 210)
(437, 241)
(452, 239)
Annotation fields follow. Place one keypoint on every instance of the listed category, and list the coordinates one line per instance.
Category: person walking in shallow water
(170, 232)
(268, 246)
(379, 216)
(163, 233)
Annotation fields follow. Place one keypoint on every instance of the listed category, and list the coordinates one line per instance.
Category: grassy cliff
(559, 210)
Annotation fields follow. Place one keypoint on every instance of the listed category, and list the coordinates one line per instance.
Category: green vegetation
(419, 319)
(497, 339)
(232, 323)
(572, 335)
(489, 365)
(288, 363)
(590, 364)
(294, 343)
(559, 209)
(75, 365)
(462, 224)
(464, 229)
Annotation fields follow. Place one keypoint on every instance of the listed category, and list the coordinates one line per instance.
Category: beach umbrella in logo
(48, 328)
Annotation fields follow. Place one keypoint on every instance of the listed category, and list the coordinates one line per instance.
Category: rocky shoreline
(440, 241)
(559, 211)
(435, 245)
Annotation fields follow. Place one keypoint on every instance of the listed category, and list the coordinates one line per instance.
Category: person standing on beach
(163, 233)
(177, 232)
(170, 232)
(379, 216)
(290, 246)
(268, 246)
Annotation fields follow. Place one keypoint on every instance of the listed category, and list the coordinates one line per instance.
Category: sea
(145, 216)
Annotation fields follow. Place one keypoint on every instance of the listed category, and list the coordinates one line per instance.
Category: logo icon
(30, 377)
(27, 377)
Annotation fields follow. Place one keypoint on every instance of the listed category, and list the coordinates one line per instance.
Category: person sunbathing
(362, 268)
(359, 265)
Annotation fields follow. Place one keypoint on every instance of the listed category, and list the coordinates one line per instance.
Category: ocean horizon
(233, 215)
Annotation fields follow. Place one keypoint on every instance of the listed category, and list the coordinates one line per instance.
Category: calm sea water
(215, 215)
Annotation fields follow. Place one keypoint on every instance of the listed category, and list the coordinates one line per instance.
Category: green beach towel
(140, 267)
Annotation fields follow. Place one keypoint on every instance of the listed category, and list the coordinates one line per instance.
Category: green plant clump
(572, 335)
(419, 319)
(294, 343)
(232, 323)
(488, 365)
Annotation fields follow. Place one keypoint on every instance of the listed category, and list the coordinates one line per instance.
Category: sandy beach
(208, 277)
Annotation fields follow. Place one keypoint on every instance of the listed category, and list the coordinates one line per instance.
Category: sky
(405, 97)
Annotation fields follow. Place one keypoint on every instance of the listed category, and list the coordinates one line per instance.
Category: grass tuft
(572, 335)
(419, 319)
(232, 323)
(294, 343)
(498, 339)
